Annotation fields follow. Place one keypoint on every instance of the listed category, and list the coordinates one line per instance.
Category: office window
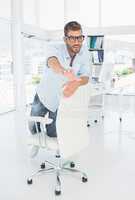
(118, 12)
(5, 8)
(89, 12)
(29, 12)
(47, 14)
(121, 53)
(130, 38)
(51, 14)
(34, 61)
(72, 10)
(6, 69)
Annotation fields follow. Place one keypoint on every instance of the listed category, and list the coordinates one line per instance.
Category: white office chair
(125, 87)
(98, 91)
(72, 138)
(114, 88)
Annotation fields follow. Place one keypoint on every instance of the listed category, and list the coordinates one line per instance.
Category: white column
(18, 63)
(37, 12)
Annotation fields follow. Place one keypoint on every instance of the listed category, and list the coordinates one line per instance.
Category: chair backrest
(71, 125)
(72, 122)
(78, 101)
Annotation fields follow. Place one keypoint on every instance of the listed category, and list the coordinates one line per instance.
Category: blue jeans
(38, 109)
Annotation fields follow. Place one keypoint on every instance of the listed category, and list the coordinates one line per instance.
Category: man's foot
(34, 151)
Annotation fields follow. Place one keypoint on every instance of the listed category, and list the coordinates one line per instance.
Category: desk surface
(125, 81)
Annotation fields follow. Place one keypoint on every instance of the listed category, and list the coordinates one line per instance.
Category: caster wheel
(84, 179)
(42, 166)
(57, 192)
(29, 181)
(72, 164)
(95, 121)
(120, 119)
(88, 125)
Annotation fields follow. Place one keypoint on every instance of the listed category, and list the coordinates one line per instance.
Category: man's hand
(70, 75)
(70, 88)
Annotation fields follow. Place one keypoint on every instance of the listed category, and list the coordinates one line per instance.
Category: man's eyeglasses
(71, 38)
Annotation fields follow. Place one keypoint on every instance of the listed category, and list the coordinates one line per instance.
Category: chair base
(59, 168)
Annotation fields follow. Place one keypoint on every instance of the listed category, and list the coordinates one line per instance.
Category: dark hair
(73, 26)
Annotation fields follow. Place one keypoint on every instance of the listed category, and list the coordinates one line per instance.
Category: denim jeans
(38, 109)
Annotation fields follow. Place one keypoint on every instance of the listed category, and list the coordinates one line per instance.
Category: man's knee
(52, 134)
(51, 130)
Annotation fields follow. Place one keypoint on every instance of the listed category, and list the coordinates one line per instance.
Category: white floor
(109, 162)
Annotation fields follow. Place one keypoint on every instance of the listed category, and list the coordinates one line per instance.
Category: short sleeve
(51, 51)
(85, 69)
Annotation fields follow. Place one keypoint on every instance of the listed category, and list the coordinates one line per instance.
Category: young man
(67, 68)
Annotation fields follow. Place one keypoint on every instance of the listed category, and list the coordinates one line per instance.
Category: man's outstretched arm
(71, 87)
(83, 80)
(54, 64)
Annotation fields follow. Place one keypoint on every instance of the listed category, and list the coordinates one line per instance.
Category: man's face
(74, 40)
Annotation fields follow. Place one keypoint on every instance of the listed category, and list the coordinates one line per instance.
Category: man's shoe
(34, 151)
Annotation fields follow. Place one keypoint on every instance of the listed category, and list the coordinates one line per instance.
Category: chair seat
(43, 120)
(72, 134)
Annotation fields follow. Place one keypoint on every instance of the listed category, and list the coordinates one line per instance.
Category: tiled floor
(109, 161)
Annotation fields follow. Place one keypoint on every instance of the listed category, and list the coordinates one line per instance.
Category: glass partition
(34, 60)
(6, 69)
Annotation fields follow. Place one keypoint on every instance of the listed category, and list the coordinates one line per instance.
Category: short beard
(72, 50)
